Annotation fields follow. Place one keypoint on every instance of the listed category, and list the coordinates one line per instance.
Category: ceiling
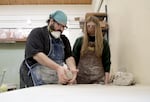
(44, 2)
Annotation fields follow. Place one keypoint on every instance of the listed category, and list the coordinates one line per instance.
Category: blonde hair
(98, 37)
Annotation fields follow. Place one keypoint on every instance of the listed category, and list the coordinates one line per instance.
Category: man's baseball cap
(60, 17)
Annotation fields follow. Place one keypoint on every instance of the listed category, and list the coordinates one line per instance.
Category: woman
(92, 54)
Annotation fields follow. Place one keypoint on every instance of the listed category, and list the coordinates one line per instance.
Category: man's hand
(62, 78)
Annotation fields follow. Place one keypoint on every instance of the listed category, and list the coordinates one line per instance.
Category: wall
(96, 4)
(38, 14)
(129, 37)
(11, 55)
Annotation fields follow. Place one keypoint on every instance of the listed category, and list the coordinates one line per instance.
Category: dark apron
(90, 68)
(44, 75)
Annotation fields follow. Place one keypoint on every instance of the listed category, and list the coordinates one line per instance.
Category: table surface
(78, 93)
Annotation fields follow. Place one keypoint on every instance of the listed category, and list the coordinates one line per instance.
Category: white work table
(79, 93)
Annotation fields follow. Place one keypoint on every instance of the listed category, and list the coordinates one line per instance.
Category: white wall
(129, 37)
(38, 14)
(96, 4)
(11, 55)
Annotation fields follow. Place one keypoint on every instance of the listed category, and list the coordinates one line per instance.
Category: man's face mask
(56, 34)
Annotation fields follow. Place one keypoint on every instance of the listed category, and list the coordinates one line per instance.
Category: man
(46, 53)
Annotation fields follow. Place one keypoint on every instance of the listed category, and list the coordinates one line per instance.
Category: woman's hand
(74, 75)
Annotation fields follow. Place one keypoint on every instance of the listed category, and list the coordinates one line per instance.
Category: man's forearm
(46, 61)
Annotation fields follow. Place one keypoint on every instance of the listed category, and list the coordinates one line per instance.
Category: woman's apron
(90, 68)
(44, 75)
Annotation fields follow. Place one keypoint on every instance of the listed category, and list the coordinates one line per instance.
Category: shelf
(11, 40)
(101, 16)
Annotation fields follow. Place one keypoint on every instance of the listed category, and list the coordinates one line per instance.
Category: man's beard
(52, 27)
